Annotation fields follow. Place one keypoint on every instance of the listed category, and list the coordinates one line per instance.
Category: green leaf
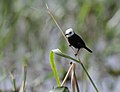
(53, 66)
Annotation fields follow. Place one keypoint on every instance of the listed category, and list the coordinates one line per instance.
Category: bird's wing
(79, 40)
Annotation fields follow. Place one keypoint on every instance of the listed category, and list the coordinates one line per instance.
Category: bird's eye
(70, 33)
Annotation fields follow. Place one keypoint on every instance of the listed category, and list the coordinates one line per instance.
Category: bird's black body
(77, 42)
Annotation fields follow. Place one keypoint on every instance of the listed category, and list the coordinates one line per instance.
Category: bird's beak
(66, 34)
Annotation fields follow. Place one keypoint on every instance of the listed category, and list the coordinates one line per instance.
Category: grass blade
(13, 82)
(53, 66)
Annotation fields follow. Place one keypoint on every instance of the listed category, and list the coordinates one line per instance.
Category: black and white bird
(75, 40)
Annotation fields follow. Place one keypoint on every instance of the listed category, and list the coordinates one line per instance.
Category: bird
(75, 40)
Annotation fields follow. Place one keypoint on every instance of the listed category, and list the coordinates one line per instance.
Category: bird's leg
(77, 52)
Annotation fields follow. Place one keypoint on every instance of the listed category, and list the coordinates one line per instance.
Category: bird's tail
(88, 49)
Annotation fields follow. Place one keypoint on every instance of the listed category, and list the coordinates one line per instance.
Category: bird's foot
(71, 63)
(76, 54)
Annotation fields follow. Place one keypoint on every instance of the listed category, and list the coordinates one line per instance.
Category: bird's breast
(73, 42)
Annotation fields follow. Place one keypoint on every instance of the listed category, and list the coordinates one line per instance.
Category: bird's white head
(69, 32)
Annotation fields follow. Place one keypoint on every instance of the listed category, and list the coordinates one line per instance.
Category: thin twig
(66, 75)
(56, 23)
(75, 79)
(72, 79)
(50, 13)
(89, 77)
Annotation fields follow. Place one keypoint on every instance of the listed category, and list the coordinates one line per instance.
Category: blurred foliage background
(26, 30)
